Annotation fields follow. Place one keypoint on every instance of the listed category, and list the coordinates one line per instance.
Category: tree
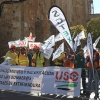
(77, 29)
(93, 26)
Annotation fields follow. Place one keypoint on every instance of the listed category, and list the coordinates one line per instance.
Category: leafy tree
(77, 29)
(93, 26)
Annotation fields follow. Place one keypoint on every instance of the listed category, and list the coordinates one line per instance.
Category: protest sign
(50, 80)
(33, 44)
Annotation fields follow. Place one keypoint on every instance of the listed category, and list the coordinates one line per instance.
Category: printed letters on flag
(50, 42)
(57, 17)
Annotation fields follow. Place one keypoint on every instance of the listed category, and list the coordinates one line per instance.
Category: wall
(19, 19)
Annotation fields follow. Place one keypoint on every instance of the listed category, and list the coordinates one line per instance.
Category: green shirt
(80, 61)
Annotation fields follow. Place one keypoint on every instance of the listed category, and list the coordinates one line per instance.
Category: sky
(96, 4)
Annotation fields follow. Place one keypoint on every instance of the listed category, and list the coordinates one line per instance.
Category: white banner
(58, 37)
(14, 43)
(50, 42)
(57, 53)
(57, 17)
(23, 43)
(90, 48)
(18, 43)
(33, 44)
(47, 52)
(50, 80)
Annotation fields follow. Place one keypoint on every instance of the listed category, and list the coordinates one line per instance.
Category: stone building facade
(19, 19)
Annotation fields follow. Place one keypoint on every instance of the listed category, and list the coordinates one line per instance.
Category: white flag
(58, 37)
(81, 35)
(57, 17)
(77, 43)
(50, 42)
(58, 51)
(96, 42)
(47, 52)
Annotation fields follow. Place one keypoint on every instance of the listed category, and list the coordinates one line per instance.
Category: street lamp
(8, 2)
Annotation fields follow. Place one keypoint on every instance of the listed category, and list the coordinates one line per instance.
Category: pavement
(13, 95)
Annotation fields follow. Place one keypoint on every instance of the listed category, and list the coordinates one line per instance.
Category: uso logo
(73, 76)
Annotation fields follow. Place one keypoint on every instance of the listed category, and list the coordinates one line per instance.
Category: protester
(22, 59)
(12, 55)
(59, 61)
(80, 63)
(68, 60)
(38, 58)
(30, 55)
(95, 66)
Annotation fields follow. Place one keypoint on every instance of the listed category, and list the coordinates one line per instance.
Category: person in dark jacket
(30, 55)
(80, 63)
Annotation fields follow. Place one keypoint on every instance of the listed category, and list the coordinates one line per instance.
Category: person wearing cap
(80, 63)
(11, 54)
(22, 59)
(38, 57)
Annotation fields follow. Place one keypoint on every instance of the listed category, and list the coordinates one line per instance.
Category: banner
(18, 43)
(23, 43)
(14, 43)
(57, 17)
(58, 37)
(50, 42)
(90, 48)
(57, 53)
(33, 44)
(47, 52)
(50, 80)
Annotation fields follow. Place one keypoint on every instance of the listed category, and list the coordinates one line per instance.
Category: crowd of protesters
(25, 57)
(34, 58)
